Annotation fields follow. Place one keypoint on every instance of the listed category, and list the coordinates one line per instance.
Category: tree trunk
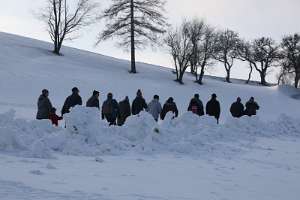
(133, 68)
(263, 78)
(56, 49)
(228, 76)
(180, 77)
(297, 78)
(250, 74)
(200, 80)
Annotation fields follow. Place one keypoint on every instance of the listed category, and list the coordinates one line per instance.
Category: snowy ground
(185, 159)
(272, 171)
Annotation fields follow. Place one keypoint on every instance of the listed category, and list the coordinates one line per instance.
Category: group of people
(116, 113)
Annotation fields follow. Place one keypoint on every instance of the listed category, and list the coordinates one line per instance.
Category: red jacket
(54, 119)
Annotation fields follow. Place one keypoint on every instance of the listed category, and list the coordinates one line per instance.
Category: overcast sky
(251, 18)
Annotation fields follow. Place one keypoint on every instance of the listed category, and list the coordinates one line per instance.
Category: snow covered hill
(27, 66)
(189, 158)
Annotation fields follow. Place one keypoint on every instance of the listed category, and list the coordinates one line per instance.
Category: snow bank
(86, 134)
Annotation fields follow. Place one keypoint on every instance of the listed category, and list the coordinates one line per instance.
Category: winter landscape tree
(180, 47)
(226, 50)
(206, 51)
(195, 30)
(63, 19)
(136, 22)
(265, 54)
(245, 53)
(291, 57)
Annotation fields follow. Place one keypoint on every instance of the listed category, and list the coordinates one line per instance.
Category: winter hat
(45, 91)
(95, 92)
(139, 92)
(75, 89)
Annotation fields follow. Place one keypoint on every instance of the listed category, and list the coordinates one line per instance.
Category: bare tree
(265, 54)
(291, 57)
(245, 53)
(136, 22)
(62, 21)
(181, 49)
(227, 42)
(206, 52)
(195, 30)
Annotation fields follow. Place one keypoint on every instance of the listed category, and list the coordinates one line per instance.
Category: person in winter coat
(110, 109)
(196, 106)
(71, 101)
(237, 108)
(54, 117)
(213, 107)
(154, 107)
(93, 101)
(139, 104)
(251, 107)
(125, 111)
(44, 106)
(169, 106)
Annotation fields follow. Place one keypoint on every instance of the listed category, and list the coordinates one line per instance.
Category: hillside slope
(27, 66)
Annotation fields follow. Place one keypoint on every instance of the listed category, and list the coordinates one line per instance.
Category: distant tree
(195, 30)
(62, 22)
(265, 54)
(180, 46)
(245, 53)
(136, 22)
(291, 57)
(206, 52)
(226, 50)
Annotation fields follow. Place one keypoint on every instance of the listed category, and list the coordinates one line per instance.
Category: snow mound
(85, 134)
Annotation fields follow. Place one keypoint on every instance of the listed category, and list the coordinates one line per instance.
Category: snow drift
(85, 134)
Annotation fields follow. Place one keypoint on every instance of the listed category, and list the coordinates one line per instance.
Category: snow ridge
(87, 135)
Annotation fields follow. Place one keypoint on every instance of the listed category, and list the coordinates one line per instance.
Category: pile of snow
(86, 134)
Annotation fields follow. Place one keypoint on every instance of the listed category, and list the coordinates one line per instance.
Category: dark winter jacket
(251, 108)
(169, 107)
(139, 104)
(110, 110)
(196, 106)
(125, 111)
(54, 118)
(93, 102)
(237, 109)
(44, 107)
(70, 102)
(213, 108)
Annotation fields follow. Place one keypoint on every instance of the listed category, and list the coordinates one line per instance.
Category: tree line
(193, 45)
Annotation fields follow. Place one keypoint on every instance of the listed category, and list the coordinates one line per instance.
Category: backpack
(195, 109)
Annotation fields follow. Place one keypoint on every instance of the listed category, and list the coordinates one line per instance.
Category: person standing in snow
(125, 111)
(93, 101)
(169, 106)
(251, 107)
(154, 107)
(71, 101)
(54, 117)
(110, 109)
(44, 106)
(196, 106)
(139, 104)
(213, 107)
(237, 108)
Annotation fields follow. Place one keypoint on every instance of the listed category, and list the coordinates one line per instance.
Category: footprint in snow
(50, 166)
(36, 172)
(99, 160)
